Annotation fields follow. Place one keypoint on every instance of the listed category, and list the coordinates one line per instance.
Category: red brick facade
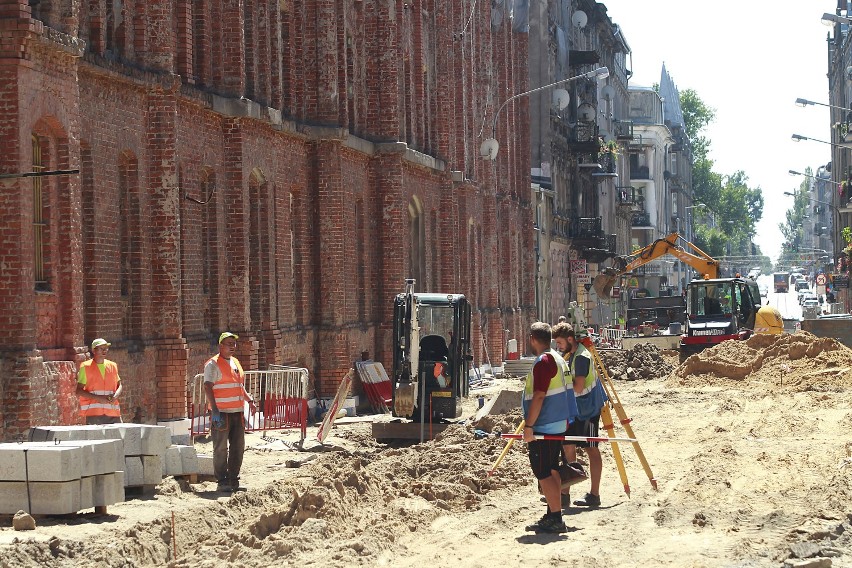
(272, 167)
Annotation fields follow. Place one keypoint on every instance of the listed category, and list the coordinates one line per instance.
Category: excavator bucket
(603, 284)
(404, 399)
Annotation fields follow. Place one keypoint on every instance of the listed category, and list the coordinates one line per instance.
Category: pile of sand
(644, 361)
(348, 507)
(798, 360)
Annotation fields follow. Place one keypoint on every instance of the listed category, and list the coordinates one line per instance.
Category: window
(39, 223)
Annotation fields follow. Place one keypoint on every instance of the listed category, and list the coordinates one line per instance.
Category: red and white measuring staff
(569, 438)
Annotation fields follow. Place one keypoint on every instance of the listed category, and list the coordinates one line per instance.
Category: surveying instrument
(581, 333)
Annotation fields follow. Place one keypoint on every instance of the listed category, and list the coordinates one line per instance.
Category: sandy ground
(751, 470)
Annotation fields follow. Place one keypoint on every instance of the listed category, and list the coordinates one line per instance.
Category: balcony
(624, 130)
(640, 219)
(580, 137)
(608, 163)
(640, 173)
(625, 196)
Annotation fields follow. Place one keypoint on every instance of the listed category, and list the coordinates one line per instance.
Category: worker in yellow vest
(224, 383)
(99, 386)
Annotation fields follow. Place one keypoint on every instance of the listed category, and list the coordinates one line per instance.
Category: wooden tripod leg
(616, 451)
(505, 451)
(609, 387)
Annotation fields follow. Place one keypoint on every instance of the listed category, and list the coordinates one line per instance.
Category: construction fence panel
(281, 401)
(612, 337)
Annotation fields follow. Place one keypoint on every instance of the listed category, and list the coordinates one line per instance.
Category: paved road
(787, 304)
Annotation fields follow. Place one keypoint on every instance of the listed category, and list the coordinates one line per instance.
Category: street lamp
(792, 194)
(831, 19)
(805, 102)
(489, 148)
(696, 205)
(799, 138)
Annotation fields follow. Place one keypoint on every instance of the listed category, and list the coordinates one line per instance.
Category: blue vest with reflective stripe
(590, 402)
(559, 403)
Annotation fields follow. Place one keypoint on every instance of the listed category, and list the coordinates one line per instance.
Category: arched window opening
(417, 240)
(40, 147)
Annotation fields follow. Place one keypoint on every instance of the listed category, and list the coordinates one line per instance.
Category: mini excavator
(431, 355)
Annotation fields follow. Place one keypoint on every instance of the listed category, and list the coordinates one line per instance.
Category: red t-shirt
(543, 371)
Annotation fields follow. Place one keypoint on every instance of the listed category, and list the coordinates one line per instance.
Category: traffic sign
(820, 279)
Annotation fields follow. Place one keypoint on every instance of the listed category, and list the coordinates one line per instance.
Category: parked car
(754, 272)
(811, 303)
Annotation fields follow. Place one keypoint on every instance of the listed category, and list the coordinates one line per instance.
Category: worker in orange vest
(99, 386)
(224, 383)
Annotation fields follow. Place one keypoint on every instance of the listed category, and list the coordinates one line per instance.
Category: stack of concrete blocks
(144, 447)
(49, 478)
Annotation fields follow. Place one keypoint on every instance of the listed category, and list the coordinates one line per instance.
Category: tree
(696, 116)
(736, 206)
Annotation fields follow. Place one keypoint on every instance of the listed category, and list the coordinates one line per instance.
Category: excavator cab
(718, 309)
(431, 332)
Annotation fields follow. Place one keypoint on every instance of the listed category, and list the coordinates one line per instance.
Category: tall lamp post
(489, 147)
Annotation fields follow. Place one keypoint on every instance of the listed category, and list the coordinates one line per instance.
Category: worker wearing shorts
(590, 397)
(548, 407)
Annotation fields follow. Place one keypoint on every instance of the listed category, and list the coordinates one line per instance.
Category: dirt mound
(803, 359)
(644, 361)
(347, 507)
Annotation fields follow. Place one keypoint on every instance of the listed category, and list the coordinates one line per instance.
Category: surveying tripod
(582, 335)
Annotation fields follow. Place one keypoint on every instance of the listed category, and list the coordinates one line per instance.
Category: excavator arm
(693, 256)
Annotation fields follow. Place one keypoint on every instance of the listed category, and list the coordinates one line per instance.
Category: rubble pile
(800, 360)
(644, 361)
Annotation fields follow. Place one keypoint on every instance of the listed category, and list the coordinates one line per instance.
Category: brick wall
(222, 186)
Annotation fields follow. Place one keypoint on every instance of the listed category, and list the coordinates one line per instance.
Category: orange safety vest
(228, 390)
(96, 383)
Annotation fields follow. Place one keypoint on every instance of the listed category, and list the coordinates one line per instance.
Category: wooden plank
(405, 430)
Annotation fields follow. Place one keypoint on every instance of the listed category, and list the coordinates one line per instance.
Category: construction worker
(547, 408)
(99, 386)
(590, 396)
(224, 383)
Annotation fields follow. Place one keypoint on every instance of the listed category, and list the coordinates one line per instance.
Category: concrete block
(55, 498)
(54, 463)
(172, 464)
(152, 470)
(119, 486)
(189, 460)
(101, 456)
(130, 434)
(177, 427)
(155, 440)
(180, 460)
(66, 433)
(86, 492)
(502, 403)
(13, 497)
(12, 464)
(108, 489)
(132, 471)
(205, 464)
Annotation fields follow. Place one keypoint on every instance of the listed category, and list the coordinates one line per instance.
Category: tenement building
(275, 168)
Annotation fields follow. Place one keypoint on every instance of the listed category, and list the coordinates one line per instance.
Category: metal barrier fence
(612, 337)
(281, 401)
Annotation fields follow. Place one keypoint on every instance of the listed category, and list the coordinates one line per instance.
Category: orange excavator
(717, 308)
(702, 262)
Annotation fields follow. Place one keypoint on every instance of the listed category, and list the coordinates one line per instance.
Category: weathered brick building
(272, 167)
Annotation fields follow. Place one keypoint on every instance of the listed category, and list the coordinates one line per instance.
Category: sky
(750, 61)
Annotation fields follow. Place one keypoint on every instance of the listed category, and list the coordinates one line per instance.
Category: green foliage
(846, 233)
(696, 113)
(791, 228)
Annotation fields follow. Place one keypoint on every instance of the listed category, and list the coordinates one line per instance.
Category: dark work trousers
(227, 461)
